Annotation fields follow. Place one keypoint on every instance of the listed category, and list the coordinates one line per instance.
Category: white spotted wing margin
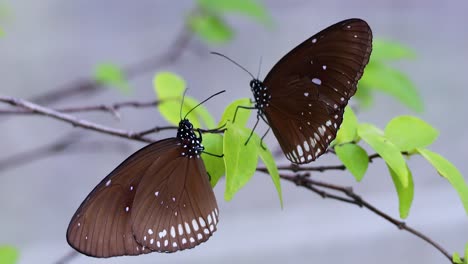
(177, 212)
(311, 85)
(102, 226)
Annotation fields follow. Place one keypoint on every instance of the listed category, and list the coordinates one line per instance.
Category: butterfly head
(192, 146)
(261, 94)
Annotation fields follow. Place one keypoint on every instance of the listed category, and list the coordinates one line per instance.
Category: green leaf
(466, 254)
(112, 75)
(447, 170)
(386, 149)
(364, 96)
(2, 33)
(354, 158)
(210, 28)
(240, 160)
(405, 194)
(410, 132)
(242, 115)
(269, 161)
(456, 258)
(390, 50)
(8, 255)
(169, 88)
(348, 130)
(378, 76)
(249, 8)
(214, 165)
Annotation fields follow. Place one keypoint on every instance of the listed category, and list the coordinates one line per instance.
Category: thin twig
(67, 257)
(71, 143)
(295, 168)
(91, 108)
(72, 120)
(89, 86)
(309, 184)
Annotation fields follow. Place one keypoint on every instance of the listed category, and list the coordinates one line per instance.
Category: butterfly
(304, 95)
(159, 199)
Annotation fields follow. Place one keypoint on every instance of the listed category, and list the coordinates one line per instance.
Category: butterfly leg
(252, 131)
(241, 107)
(214, 155)
(263, 137)
(211, 154)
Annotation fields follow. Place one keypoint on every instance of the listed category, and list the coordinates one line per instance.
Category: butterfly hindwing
(101, 226)
(311, 85)
(178, 211)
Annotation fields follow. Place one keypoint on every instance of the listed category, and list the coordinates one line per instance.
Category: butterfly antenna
(204, 102)
(231, 60)
(182, 103)
(259, 67)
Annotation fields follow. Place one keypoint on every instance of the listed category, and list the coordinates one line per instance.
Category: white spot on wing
(317, 81)
(108, 182)
(299, 150)
(195, 225)
(181, 230)
(314, 40)
(306, 146)
(202, 222)
(173, 232)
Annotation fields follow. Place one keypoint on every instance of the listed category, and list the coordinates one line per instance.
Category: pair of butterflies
(160, 198)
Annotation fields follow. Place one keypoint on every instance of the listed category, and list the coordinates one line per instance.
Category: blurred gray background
(51, 43)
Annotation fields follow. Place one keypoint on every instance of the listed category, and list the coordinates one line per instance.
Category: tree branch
(303, 181)
(73, 120)
(91, 108)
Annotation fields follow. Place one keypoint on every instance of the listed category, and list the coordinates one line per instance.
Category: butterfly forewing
(183, 211)
(311, 86)
(101, 226)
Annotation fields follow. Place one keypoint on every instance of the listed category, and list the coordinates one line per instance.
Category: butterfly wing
(179, 210)
(311, 85)
(101, 226)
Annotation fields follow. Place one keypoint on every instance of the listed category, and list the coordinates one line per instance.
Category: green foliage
(354, 158)
(405, 193)
(456, 258)
(378, 75)
(348, 130)
(214, 165)
(8, 255)
(249, 8)
(447, 170)
(209, 24)
(240, 159)
(111, 75)
(169, 88)
(466, 254)
(2, 33)
(409, 133)
(386, 149)
(242, 116)
(389, 50)
(211, 28)
(269, 161)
